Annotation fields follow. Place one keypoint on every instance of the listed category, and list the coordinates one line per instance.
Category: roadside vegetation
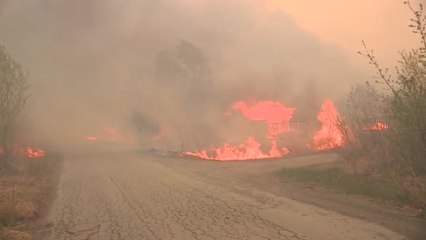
(336, 178)
(25, 194)
(385, 131)
(26, 182)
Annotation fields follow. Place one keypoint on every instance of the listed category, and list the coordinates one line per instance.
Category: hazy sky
(344, 23)
(91, 62)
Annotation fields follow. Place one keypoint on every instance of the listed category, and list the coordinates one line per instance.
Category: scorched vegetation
(385, 129)
(26, 174)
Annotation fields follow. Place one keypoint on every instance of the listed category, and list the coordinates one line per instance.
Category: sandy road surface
(142, 197)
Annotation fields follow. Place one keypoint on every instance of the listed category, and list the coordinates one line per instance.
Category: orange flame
(31, 153)
(276, 116)
(107, 134)
(91, 138)
(248, 151)
(329, 136)
(378, 126)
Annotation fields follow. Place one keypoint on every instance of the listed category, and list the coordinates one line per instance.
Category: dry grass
(364, 176)
(385, 170)
(24, 195)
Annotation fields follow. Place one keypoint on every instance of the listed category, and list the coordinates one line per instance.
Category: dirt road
(135, 196)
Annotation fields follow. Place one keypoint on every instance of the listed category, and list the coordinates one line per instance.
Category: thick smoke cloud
(94, 64)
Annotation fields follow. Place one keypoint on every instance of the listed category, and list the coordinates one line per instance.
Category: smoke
(99, 63)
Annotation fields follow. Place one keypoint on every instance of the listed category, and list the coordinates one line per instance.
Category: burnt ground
(140, 196)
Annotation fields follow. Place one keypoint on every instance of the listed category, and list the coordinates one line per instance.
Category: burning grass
(277, 118)
(24, 195)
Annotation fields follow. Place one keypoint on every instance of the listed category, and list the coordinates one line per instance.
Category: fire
(329, 136)
(31, 153)
(91, 138)
(277, 117)
(274, 114)
(247, 151)
(107, 134)
(377, 126)
(22, 151)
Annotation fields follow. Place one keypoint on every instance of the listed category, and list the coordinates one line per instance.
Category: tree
(184, 67)
(405, 98)
(364, 122)
(365, 107)
(13, 95)
(184, 78)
